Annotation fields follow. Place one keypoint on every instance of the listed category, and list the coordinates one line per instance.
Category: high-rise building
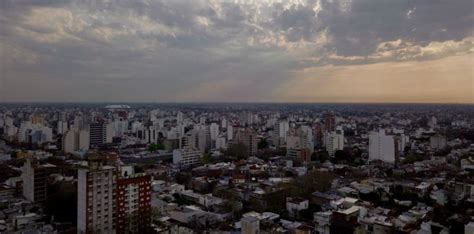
(35, 180)
(133, 196)
(100, 133)
(230, 132)
(249, 138)
(62, 127)
(84, 140)
(180, 117)
(75, 140)
(221, 143)
(96, 199)
(78, 122)
(334, 141)
(280, 132)
(402, 141)
(330, 121)
(214, 131)
(381, 147)
(299, 143)
(38, 119)
(34, 133)
(151, 135)
(69, 141)
(223, 123)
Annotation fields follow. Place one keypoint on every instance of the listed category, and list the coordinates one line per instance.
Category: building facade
(133, 197)
(95, 199)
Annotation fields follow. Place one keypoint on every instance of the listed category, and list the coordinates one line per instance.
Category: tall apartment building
(100, 133)
(280, 132)
(249, 138)
(35, 180)
(381, 147)
(329, 121)
(334, 141)
(299, 144)
(133, 197)
(74, 140)
(96, 199)
(97, 133)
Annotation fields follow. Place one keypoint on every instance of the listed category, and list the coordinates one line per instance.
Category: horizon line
(226, 102)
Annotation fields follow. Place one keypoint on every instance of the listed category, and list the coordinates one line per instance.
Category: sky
(237, 51)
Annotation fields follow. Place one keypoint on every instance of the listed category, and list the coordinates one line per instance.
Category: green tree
(313, 181)
(155, 147)
(412, 158)
(232, 202)
(206, 158)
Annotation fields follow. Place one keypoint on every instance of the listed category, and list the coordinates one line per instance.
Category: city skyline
(314, 51)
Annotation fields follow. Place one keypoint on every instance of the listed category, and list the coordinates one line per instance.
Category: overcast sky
(237, 50)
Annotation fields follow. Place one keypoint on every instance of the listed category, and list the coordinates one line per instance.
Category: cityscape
(237, 168)
(237, 116)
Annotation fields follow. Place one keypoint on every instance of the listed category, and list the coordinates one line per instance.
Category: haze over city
(237, 51)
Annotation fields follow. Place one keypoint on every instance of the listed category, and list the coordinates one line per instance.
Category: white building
(223, 123)
(34, 133)
(151, 135)
(76, 140)
(334, 141)
(295, 204)
(119, 128)
(84, 138)
(69, 141)
(250, 225)
(214, 129)
(402, 142)
(180, 117)
(280, 133)
(381, 147)
(62, 127)
(95, 199)
(230, 132)
(221, 143)
(186, 157)
(322, 221)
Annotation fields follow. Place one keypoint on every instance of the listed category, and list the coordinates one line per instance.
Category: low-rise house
(322, 222)
(296, 204)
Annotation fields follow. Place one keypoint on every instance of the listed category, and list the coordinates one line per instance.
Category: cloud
(178, 50)
(447, 80)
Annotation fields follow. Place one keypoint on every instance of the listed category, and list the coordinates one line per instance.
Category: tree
(237, 151)
(155, 147)
(262, 144)
(313, 181)
(231, 203)
(206, 158)
(342, 155)
(320, 156)
(412, 158)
